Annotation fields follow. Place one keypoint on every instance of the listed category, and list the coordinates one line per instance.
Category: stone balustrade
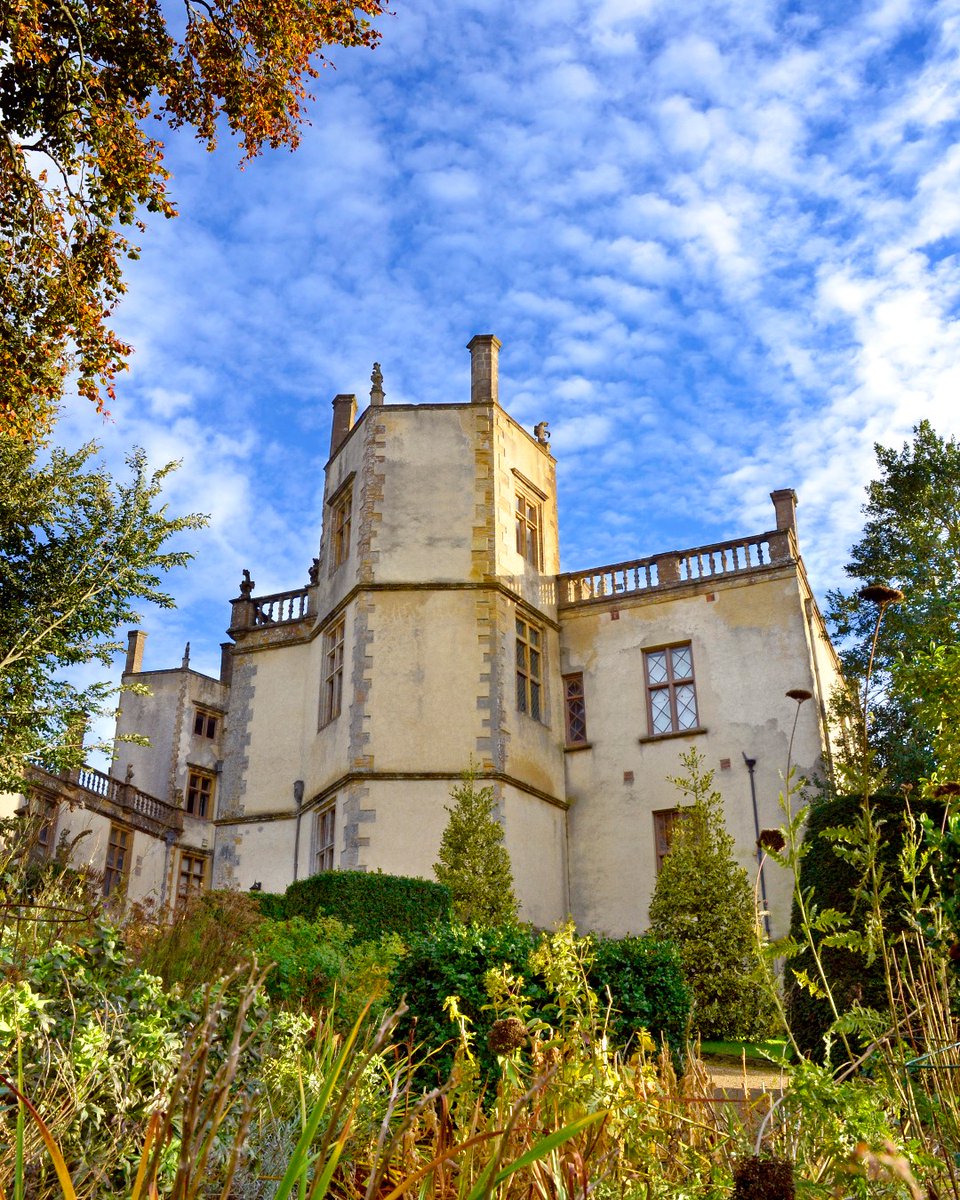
(676, 568)
(281, 608)
(111, 797)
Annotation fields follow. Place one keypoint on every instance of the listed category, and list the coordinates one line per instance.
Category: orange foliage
(78, 78)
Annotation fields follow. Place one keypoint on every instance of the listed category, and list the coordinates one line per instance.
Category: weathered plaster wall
(749, 647)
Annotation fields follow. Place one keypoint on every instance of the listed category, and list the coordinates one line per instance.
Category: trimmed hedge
(645, 981)
(832, 882)
(372, 903)
(644, 977)
(273, 905)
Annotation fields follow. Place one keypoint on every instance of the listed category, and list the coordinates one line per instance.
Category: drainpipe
(298, 800)
(751, 765)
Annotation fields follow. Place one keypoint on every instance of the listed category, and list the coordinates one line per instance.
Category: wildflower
(771, 839)
(800, 694)
(506, 1035)
(880, 593)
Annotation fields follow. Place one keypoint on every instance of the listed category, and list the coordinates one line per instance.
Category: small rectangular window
(528, 521)
(529, 668)
(576, 710)
(326, 837)
(192, 876)
(664, 824)
(671, 690)
(44, 813)
(200, 793)
(331, 693)
(340, 527)
(118, 859)
(204, 723)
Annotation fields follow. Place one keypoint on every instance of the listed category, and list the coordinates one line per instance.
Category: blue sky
(718, 241)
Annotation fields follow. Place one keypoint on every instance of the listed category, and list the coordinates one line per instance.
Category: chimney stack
(484, 368)
(785, 506)
(226, 662)
(135, 641)
(344, 415)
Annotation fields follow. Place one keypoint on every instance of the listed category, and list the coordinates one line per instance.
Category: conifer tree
(473, 861)
(703, 902)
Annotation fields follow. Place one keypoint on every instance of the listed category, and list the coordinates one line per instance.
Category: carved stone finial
(128, 778)
(377, 394)
(314, 572)
(246, 585)
(186, 656)
(542, 433)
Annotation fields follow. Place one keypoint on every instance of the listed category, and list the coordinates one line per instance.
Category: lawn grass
(776, 1050)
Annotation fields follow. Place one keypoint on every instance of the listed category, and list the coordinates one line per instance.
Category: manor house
(436, 630)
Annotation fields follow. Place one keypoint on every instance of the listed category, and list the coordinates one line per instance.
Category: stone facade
(436, 631)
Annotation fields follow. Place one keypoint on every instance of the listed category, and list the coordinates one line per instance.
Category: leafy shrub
(453, 960)
(319, 964)
(271, 904)
(93, 1041)
(643, 976)
(372, 903)
(832, 883)
(209, 936)
(704, 903)
(644, 979)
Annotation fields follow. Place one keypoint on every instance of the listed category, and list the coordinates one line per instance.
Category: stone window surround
(325, 835)
(341, 509)
(205, 721)
(331, 685)
(664, 822)
(117, 865)
(201, 789)
(574, 709)
(669, 686)
(529, 637)
(192, 874)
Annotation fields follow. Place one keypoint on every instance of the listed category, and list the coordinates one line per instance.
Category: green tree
(76, 552)
(473, 861)
(78, 80)
(703, 902)
(910, 541)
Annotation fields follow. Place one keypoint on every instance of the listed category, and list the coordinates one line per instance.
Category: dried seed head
(800, 694)
(946, 789)
(506, 1035)
(763, 1179)
(880, 593)
(771, 839)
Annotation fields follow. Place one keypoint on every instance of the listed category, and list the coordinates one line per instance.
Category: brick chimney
(344, 415)
(785, 506)
(135, 642)
(484, 368)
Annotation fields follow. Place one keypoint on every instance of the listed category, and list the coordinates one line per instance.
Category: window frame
(665, 821)
(528, 643)
(325, 839)
(341, 524)
(205, 795)
(669, 687)
(205, 722)
(116, 869)
(45, 811)
(529, 528)
(571, 681)
(193, 882)
(331, 679)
